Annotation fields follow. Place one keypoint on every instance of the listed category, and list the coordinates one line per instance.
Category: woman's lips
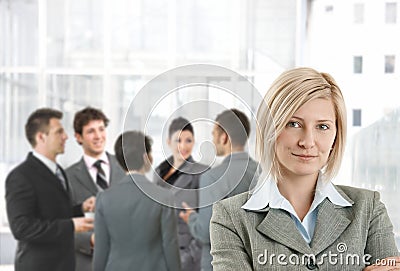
(305, 157)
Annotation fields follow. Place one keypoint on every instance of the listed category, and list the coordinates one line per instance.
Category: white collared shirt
(268, 194)
(50, 164)
(89, 161)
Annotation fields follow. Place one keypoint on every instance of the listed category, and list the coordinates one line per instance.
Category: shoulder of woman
(357, 194)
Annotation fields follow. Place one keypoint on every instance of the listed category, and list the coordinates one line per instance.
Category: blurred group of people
(191, 216)
(135, 218)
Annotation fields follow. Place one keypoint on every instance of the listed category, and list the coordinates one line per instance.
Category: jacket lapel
(279, 226)
(44, 171)
(184, 180)
(83, 177)
(330, 224)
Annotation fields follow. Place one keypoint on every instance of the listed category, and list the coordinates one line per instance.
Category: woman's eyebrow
(320, 120)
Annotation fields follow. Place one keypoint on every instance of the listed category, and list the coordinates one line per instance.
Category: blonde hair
(291, 90)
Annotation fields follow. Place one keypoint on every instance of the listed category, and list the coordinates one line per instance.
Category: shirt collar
(268, 195)
(50, 164)
(89, 160)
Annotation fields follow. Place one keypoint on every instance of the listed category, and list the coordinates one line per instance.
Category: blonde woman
(296, 219)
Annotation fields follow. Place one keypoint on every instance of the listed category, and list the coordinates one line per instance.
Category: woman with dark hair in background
(180, 173)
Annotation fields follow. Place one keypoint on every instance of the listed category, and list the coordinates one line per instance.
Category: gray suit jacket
(82, 187)
(233, 176)
(190, 248)
(267, 239)
(133, 231)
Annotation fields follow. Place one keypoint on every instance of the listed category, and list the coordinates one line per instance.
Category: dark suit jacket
(83, 187)
(246, 240)
(185, 189)
(39, 211)
(134, 231)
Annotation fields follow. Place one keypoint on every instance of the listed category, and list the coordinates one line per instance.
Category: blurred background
(68, 54)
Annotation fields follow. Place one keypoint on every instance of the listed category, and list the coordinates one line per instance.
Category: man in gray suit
(134, 228)
(96, 171)
(233, 176)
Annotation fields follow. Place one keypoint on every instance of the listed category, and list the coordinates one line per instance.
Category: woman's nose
(307, 139)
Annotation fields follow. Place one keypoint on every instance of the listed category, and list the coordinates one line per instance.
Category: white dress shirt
(268, 194)
(50, 164)
(89, 161)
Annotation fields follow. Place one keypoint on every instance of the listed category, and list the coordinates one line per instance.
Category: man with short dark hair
(233, 176)
(95, 172)
(135, 228)
(39, 207)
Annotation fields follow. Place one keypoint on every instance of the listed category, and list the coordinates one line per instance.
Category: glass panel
(356, 117)
(18, 32)
(274, 34)
(328, 8)
(376, 162)
(391, 13)
(125, 88)
(359, 13)
(204, 31)
(18, 99)
(390, 63)
(139, 33)
(357, 64)
(74, 33)
(69, 92)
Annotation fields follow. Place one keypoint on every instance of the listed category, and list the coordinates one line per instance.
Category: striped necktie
(101, 176)
(61, 177)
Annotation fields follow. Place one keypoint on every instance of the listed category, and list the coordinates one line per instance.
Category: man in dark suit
(96, 171)
(233, 176)
(39, 207)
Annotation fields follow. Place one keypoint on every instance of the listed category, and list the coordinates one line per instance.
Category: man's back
(82, 186)
(233, 176)
(133, 230)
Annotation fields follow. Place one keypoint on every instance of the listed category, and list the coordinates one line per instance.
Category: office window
(389, 63)
(391, 13)
(357, 64)
(358, 10)
(329, 8)
(18, 33)
(356, 117)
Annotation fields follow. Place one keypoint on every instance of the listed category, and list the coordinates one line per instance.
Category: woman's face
(305, 143)
(181, 144)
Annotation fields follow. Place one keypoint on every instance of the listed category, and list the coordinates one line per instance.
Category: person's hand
(186, 213)
(92, 240)
(83, 224)
(89, 204)
(390, 263)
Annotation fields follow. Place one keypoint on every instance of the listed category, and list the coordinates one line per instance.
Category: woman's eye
(323, 127)
(293, 124)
